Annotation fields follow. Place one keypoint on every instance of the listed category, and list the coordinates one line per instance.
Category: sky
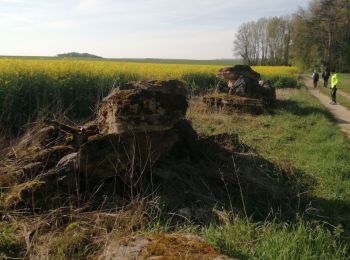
(173, 29)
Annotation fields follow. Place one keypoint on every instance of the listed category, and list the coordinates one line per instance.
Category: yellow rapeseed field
(140, 70)
(29, 85)
(277, 70)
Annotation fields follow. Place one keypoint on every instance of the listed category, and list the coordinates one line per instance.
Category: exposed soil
(285, 93)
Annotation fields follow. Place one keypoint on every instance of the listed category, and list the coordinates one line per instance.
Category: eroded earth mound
(240, 88)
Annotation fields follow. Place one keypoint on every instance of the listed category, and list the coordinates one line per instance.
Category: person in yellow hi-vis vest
(334, 83)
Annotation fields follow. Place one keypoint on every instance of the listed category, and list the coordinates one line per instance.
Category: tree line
(310, 38)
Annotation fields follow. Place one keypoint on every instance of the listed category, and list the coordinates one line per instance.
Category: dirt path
(340, 113)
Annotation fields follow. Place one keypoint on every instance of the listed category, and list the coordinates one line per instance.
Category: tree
(321, 33)
(264, 42)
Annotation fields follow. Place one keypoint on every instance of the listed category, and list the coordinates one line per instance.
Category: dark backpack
(325, 74)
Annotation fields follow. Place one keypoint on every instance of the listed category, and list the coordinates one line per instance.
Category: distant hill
(78, 55)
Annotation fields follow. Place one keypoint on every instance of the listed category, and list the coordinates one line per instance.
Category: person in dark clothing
(315, 77)
(325, 75)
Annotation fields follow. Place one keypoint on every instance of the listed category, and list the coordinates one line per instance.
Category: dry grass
(70, 234)
(286, 93)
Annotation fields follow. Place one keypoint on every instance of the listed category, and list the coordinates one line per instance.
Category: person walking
(315, 77)
(325, 75)
(334, 83)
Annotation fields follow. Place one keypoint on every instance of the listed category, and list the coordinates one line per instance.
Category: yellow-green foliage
(27, 86)
(277, 70)
(281, 76)
(57, 68)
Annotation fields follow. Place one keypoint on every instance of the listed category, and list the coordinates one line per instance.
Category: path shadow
(341, 121)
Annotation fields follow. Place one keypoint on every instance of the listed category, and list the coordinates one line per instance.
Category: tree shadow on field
(297, 108)
(332, 212)
(244, 182)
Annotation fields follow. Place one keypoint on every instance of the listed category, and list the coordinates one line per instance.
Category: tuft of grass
(9, 243)
(74, 243)
(243, 239)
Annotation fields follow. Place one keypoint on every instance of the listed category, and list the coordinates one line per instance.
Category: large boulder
(137, 124)
(233, 73)
(143, 106)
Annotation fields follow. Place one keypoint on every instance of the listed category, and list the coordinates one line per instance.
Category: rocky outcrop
(233, 73)
(136, 125)
(144, 106)
(239, 88)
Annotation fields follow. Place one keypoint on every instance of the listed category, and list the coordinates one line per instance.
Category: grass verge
(297, 134)
(246, 240)
(344, 79)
